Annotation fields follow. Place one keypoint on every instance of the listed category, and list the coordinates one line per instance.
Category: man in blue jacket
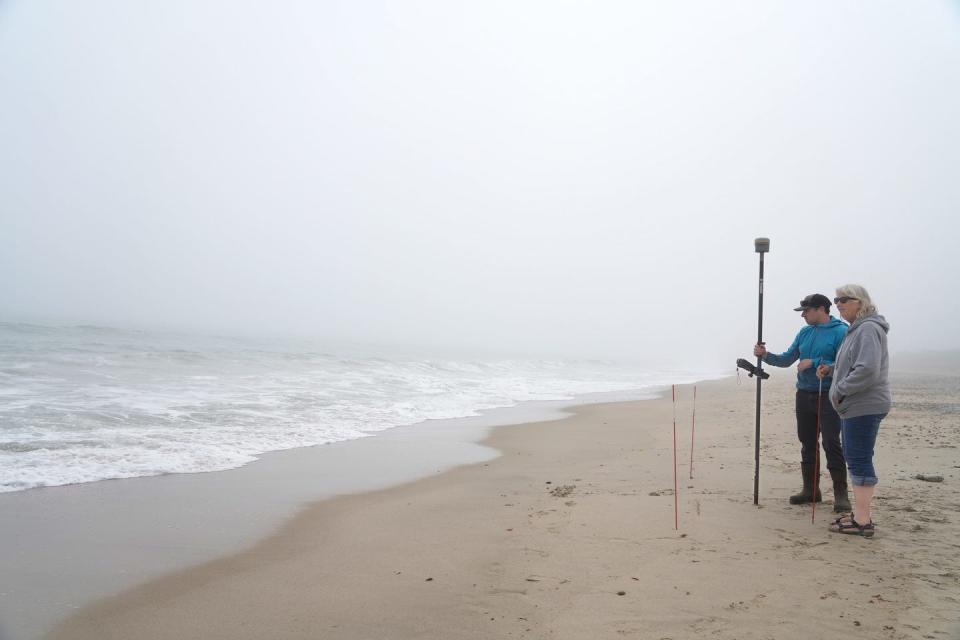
(816, 344)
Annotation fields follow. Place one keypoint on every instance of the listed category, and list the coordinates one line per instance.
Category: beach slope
(571, 533)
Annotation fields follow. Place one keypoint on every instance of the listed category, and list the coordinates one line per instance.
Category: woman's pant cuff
(862, 481)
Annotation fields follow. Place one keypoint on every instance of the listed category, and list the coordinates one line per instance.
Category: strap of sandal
(865, 530)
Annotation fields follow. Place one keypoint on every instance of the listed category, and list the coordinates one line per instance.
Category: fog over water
(579, 179)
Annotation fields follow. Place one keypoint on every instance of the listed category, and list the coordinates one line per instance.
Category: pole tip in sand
(761, 245)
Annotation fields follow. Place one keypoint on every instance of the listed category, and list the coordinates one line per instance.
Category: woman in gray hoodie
(861, 395)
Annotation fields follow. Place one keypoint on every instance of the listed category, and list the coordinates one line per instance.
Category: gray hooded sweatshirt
(860, 386)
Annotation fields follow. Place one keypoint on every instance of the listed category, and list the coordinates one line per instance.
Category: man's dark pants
(829, 429)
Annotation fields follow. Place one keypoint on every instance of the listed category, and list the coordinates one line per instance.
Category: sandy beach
(363, 320)
(570, 533)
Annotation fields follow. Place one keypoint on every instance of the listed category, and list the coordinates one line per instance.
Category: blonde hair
(867, 308)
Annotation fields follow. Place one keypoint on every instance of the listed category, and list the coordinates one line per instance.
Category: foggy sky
(513, 178)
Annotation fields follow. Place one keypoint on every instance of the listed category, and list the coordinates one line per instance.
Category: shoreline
(569, 534)
(133, 530)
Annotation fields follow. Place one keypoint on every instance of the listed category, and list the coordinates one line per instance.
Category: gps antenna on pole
(761, 246)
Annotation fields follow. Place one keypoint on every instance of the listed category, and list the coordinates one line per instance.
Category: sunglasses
(844, 299)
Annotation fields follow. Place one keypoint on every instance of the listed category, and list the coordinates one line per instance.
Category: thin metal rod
(676, 498)
(816, 464)
(693, 428)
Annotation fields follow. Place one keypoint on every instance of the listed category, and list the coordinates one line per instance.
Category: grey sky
(570, 178)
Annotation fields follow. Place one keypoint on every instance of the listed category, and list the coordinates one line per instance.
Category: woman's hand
(824, 371)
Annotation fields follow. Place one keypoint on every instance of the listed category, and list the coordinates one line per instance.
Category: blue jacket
(820, 343)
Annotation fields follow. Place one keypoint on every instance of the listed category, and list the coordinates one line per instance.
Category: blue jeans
(859, 437)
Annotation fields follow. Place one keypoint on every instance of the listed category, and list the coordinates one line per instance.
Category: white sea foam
(80, 404)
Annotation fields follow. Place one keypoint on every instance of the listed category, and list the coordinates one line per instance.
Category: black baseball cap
(813, 301)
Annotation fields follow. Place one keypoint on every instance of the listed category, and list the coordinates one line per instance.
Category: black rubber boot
(805, 495)
(841, 501)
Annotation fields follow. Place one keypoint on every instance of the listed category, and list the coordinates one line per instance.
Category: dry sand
(570, 534)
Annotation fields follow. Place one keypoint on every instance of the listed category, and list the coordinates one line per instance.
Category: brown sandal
(853, 528)
(847, 517)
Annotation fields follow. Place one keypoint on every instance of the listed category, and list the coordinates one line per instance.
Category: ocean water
(82, 403)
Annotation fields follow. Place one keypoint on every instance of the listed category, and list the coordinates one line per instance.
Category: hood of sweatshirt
(829, 324)
(875, 318)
